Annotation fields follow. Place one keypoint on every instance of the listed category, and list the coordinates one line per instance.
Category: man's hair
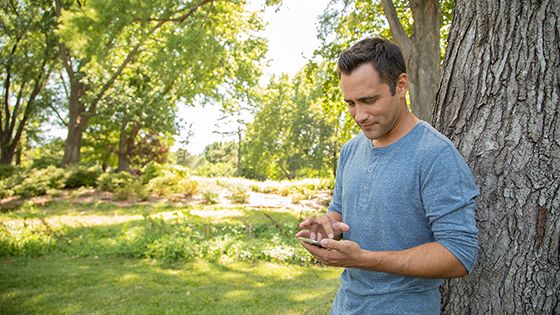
(385, 56)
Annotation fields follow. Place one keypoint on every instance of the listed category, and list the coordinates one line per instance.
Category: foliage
(345, 23)
(239, 194)
(81, 175)
(137, 64)
(221, 152)
(169, 184)
(7, 171)
(27, 54)
(112, 181)
(37, 182)
(220, 169)
(307, 132)
(152, 170)
(47, 154)
(183, 239)
(210, 197)
(131, 191)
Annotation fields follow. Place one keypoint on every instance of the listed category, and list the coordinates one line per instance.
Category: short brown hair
(385, 56)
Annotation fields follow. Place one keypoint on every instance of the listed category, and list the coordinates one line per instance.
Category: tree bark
(77, 123)
(498, 101)
(421, 52)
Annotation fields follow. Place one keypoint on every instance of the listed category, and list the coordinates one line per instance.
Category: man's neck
(403, 126)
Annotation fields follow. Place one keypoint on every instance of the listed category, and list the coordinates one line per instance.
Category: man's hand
(329, 225)
(336, 253)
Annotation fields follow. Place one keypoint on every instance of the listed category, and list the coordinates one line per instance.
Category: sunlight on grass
(59, 285)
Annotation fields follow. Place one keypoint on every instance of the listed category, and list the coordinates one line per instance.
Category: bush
(38, 181)
(112, 181)
(188, 187)
(151, 171)
(45, 161)
(239, 195)
(164, 185)
(210, 198)
(7, 171)
(134, 190)
(175, 180)
(82, 176)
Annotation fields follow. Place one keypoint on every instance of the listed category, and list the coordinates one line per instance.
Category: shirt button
(370, 169)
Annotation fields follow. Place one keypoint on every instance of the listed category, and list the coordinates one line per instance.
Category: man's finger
(307, 222)
(326, 222)
(303, 233)
(341, 227)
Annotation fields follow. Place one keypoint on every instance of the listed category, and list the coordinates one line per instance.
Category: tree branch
(135, 51)
(58, 114)
(63, 51)
(396, 27)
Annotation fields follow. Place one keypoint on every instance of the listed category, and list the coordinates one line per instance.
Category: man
(403, 199)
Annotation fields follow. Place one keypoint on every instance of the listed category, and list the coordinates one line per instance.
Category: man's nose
(361, 114)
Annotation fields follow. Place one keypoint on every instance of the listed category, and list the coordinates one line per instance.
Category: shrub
(210, 198)
(134, 190)
(152, 170)
(45, 161)
(112, 181)
(188, 187)
(38, 181)
(82, 176)
(7, 171)
(239, 195)
(164, 185)
(175, 180)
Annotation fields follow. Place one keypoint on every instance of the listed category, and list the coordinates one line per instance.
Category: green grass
(64, 285)
(69, 257)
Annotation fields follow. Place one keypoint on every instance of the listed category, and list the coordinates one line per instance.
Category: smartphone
(310, 241)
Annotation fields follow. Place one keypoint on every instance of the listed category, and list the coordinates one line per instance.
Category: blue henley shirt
(414, 191)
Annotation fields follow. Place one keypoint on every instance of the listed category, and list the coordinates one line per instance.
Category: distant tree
(289, 136)
(27, 59)
(499, 103)
(195, 44)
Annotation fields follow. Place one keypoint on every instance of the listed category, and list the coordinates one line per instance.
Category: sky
(292, 36)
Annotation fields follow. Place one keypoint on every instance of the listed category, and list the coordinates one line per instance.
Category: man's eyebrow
(369, 98)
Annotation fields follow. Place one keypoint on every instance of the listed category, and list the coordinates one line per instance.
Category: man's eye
(370, 100)
(351, 104)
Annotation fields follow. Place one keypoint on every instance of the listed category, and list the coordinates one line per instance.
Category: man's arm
(430, 260)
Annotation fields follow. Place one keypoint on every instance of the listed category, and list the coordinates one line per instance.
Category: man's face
(370, 102)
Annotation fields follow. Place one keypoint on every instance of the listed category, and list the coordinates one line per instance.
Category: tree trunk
(421, 52)
(423, 64)
(499, 103)
(77, 123)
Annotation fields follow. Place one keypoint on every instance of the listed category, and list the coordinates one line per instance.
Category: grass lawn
(95, 257)
(64, 285)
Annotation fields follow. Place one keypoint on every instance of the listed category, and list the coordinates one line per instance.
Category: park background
(107, 208)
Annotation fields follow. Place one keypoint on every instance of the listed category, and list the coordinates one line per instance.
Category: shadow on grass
(61, 285)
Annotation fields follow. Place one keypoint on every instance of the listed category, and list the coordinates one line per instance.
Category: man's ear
(402, 85)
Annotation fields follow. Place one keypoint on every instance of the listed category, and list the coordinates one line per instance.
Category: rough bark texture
(498, 101)
(421, 52)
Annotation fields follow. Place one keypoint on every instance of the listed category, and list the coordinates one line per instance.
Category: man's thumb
(332, 244)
